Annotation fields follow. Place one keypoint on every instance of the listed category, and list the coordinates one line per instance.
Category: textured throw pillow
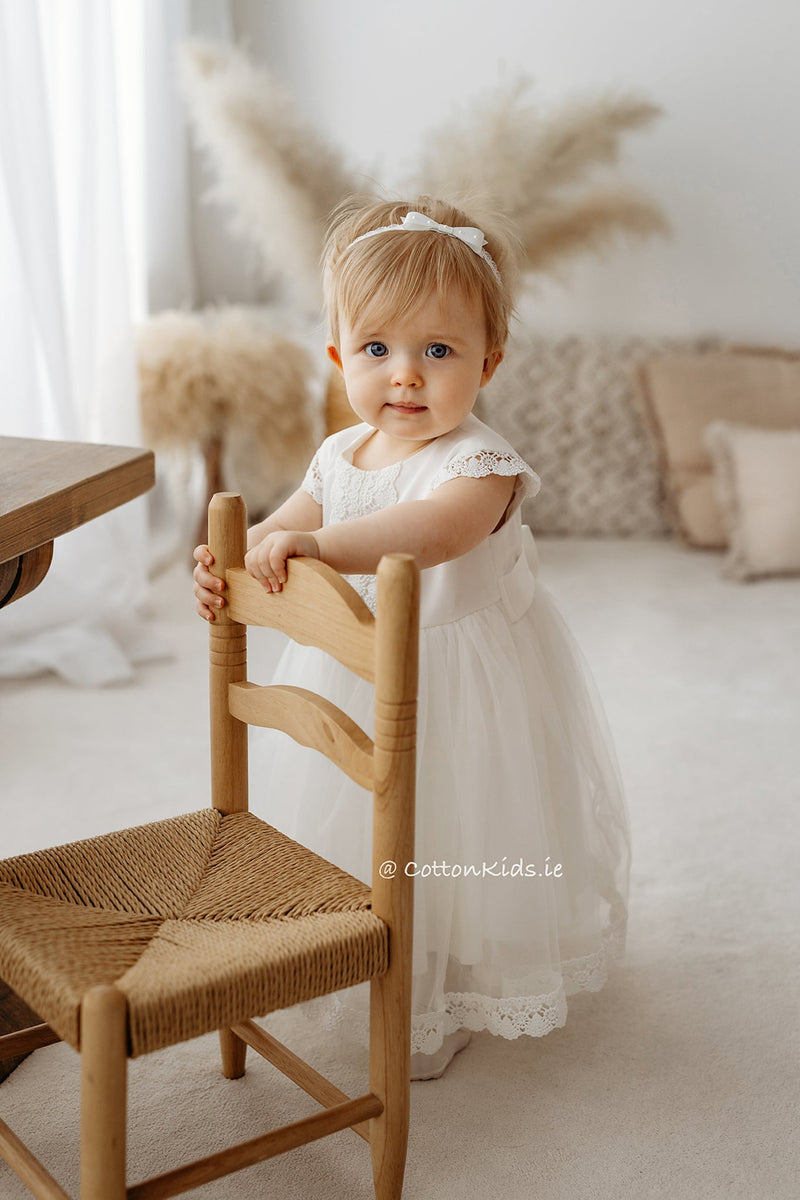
(756, 476)
(683, 394)
(568, 407)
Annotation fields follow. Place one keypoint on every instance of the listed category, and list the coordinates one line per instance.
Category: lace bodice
(357, 493)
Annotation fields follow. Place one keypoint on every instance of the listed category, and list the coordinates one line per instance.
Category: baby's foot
(433, 1066)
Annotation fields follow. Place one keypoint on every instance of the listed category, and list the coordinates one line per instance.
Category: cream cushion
(683, 394)
(757, 485)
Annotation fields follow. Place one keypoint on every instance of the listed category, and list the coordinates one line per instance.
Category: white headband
(416, 221)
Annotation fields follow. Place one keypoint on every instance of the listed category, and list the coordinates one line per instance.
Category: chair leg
(389, 1079)
(234, 1053)
(104, 1066)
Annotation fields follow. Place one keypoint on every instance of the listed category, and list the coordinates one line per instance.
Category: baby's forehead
(432, 311)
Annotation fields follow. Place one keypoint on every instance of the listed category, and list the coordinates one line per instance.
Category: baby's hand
(207, 587)
(266, 562)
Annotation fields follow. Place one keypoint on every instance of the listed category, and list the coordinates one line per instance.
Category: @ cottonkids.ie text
(501, 870)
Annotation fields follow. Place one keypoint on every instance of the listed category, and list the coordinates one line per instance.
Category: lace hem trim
(589, 974)
(535, 1016)
(488, 462)
(510, 1018)
(518, 1016)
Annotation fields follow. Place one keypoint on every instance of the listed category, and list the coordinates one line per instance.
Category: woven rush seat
(181, 919)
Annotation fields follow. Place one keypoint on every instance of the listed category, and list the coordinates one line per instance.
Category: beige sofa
(637, 437)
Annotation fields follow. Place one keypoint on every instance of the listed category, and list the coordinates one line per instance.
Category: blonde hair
(393, 272)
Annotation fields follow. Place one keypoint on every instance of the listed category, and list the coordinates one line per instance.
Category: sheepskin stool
(226, 383)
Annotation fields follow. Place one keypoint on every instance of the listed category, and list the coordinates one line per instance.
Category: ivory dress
(518, 793)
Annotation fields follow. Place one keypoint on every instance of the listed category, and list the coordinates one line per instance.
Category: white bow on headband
(418, 222)
(465, 233)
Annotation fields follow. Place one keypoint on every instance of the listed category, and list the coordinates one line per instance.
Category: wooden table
(47, 489)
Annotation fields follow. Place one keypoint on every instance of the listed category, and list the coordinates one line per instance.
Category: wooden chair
(141, 939)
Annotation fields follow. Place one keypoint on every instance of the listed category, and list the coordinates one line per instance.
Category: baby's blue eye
(438, 350)
(376, 349)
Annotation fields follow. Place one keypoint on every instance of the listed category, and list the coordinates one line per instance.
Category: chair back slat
(315, 607)
(311, 720)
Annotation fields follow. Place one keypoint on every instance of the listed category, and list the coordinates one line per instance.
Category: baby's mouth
(399, 406)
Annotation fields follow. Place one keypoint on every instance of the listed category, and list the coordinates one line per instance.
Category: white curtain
(100, 221)
(67, 368)
(189, 259)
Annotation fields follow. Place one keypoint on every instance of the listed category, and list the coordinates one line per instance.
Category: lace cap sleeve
(312, 483)
(476, 463)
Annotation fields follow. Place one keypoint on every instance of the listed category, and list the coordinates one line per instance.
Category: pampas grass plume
(534, 166)
(587, 224)
(279, 176)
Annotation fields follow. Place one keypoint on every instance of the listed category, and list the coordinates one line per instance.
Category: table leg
(21, 575)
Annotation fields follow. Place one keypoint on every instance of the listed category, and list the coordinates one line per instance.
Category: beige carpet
(678, 1080)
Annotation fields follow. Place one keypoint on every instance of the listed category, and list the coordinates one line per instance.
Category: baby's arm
(300, 512)
(452, 520)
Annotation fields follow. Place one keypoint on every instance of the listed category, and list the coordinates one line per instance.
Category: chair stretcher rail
(28, 1168)
(25, 1040)
(294, 1068)
(246, 1154)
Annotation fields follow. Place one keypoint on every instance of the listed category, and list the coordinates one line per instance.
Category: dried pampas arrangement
(282, 179)
(534, 166)
(222, 379)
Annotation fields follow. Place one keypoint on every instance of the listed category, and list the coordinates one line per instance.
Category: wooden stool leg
(234, 1052)
(389, 1072)
(103, 1094)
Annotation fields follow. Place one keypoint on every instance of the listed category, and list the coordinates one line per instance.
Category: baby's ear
(334, 356)
(490, 365)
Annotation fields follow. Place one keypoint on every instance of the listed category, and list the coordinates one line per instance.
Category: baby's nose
(405, 372)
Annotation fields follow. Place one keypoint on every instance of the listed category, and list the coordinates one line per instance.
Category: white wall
(376, 74)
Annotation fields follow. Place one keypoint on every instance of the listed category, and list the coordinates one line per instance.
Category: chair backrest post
(227, 539)
(396, 671)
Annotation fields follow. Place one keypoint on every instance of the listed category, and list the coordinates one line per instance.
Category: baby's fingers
(262, 572)
(206, 599)
(204, 580)
(261, 562)
(204, 611)
(207, 587)
(277, 564)
(253, 565)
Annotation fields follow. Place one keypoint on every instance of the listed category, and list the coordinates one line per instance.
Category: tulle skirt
(522, 850)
